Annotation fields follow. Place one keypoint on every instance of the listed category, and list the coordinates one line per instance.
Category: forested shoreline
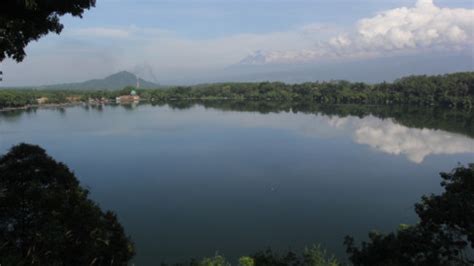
(451, 90)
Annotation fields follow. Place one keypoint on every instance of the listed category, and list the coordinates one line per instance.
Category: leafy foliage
(23, 21)
(217, 260)
(271, 258)
(313, 256)
(452, 90)
(443, 236)
(46, 218)
(317, 256)
(246, 261)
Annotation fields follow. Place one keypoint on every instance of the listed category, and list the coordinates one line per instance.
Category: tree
(246, 261)
(217, 260)
(313, 256)
(442, 237)
(451, 215)
(317, 256)
(23, 21)
(46, 217)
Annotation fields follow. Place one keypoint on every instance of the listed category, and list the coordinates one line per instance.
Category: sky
(192, 41)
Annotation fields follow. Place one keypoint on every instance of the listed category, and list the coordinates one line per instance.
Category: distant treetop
(23, 21)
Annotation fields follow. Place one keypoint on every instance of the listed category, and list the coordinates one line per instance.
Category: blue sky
(179, 39)
(217, 18)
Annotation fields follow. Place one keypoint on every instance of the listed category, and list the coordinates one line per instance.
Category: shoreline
(38, 106)
(71, 104)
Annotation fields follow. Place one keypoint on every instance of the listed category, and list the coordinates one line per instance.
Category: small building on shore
(42, 100)
(73, 99)
(133, 97)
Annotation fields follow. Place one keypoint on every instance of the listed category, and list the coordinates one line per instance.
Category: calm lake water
(189, 180)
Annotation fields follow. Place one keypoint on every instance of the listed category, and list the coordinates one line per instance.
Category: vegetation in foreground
(451, 90)
(46, 218)
(28, 20)
(443, 236)
(313, 256)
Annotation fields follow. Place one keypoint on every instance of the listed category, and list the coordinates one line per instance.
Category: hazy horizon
(202, 41)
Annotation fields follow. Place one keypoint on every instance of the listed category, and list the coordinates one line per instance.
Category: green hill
(112, 82)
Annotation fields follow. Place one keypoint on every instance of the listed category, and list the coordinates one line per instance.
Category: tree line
(451, 90)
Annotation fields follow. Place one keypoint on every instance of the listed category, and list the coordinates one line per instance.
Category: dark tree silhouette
(444, 235)
(46, 217)
(23, 21)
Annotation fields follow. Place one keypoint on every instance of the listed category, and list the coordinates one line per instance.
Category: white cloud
(401, 30)
(340, 41)
(424, 25)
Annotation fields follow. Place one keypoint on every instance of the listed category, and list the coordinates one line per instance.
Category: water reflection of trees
(14, 115)
(451, 120)
(457, 121)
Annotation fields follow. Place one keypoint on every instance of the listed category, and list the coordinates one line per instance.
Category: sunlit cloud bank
(424, 27)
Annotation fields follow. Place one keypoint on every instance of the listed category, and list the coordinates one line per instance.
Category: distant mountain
(256, 58)
(257, 68)
(112, 82)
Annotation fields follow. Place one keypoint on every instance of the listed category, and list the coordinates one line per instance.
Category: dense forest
(450, 90)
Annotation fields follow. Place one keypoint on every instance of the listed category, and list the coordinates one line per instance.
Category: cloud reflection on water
(392, 138)
(384, 135)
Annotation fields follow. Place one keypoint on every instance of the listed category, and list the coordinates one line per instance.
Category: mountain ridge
(115, 81)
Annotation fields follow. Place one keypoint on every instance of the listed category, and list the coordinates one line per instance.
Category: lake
(191, 179)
